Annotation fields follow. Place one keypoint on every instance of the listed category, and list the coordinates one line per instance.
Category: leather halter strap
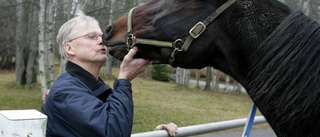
(178, 45)
(132, 40)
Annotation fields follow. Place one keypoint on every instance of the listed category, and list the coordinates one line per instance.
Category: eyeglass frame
(96, 37)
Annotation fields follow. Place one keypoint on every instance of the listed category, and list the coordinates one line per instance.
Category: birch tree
(226, 83)
(50, 38)
(182, 76)
(208, 79)
(237, 87)
(304, 6)
(81, 5)
(215, 79)
(42, 49)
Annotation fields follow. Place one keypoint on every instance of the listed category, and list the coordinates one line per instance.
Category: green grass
(13, 96)
(155, 102)
(162, 102)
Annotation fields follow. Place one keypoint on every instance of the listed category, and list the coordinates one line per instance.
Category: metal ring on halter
(131, 41)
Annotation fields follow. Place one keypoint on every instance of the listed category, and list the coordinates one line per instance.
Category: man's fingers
(171, 128)
(132, 52)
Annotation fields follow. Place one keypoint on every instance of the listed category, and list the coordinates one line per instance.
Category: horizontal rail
(202, 128)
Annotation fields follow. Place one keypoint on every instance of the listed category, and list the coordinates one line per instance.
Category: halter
(179, 44)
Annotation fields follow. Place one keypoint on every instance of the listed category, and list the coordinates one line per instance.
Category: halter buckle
(197, 30)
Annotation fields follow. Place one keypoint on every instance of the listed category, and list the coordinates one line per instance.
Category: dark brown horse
(272, 51)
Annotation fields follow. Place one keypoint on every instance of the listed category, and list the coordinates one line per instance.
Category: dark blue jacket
(78, 105)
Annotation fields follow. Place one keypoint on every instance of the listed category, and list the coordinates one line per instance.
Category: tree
(7, 50)
(208, 79)
(215, 79)
(50, 38)
(32, 44)
(42, 48)
(197, 73)
(182, 76)
(226, 83)
(304, 6)
(26, 45)
(160, 72)
(20, 47)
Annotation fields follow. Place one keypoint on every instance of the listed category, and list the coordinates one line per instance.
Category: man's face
(86, 44)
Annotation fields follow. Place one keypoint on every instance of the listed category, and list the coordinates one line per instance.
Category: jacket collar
(97, 86)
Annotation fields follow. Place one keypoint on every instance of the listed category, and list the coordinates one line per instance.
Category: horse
(272, 50)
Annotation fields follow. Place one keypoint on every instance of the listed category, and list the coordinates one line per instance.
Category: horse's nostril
(104, 37)
(108, 33)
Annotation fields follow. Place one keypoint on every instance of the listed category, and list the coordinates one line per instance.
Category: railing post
(22, 123)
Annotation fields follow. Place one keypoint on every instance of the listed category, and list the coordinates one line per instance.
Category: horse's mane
(286, 68)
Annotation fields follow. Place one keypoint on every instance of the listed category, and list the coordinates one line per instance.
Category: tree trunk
(238, 88)
(208, 79)
(215, 79)
(197, 72)
(227, 83)
(9, 26)
(305, 6)
(20, 46)
(42, 51)
(182, 76)
(82, 5)
(51, 38)
(31, 66)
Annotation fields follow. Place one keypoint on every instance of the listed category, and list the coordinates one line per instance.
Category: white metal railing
(202, 128)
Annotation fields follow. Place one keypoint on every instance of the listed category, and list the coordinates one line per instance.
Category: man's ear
(68, 48)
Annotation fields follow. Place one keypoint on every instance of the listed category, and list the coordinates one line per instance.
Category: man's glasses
(92, 36)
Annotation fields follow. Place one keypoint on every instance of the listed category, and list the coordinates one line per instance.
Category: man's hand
(131, 68)
(171, 128)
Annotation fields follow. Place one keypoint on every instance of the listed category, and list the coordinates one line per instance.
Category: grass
(13, 96)
(160, 102)
(155, 102)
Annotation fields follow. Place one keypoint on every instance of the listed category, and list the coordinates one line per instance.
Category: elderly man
(79, 103)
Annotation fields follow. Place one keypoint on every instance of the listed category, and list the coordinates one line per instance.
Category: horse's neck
(286, 73)
(252, 22)
(255, 20)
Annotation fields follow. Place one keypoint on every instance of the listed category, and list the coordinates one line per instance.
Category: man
(79, 103)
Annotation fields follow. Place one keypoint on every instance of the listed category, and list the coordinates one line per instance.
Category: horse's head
(279, 70)
(169, 21)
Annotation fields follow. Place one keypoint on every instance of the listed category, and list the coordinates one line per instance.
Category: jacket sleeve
(86, 115)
